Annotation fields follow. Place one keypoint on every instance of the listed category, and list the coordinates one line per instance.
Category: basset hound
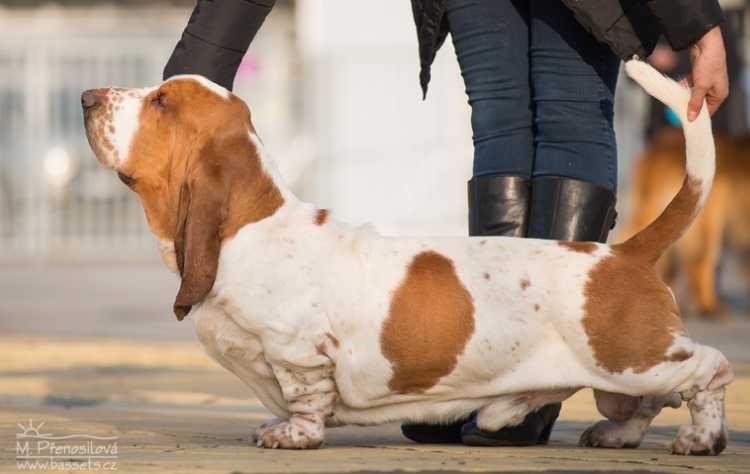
(331, 324)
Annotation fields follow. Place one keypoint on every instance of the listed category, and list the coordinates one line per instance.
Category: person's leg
(573, 81)
(491, 41)
(490, 38)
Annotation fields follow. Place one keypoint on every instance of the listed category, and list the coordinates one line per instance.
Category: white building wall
(382, 154)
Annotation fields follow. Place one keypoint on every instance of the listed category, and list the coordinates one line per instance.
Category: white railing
(56, 201)
(54, 198)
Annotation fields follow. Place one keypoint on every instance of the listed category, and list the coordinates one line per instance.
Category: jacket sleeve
(627, 26)
(216, 38)
(684, 22)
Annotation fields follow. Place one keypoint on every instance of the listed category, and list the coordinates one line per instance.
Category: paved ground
(94, 351)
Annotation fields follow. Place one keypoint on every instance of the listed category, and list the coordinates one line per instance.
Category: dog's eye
(126, 179)
(160, 100)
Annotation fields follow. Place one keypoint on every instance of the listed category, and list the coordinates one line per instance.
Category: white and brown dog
(330, 324)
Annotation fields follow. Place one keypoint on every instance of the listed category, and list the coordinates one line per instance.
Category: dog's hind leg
(699, 379)
(628, 419)
(708, 433)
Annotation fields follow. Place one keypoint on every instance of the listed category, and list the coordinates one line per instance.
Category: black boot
(570, 209)
(562, 209)
(534, 429)
(498, 205)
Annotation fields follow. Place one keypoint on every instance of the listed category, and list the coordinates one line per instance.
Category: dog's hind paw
(697, 441)
(610, 434)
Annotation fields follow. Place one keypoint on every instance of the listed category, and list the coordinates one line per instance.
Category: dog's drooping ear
(201, 211)
(225, 189)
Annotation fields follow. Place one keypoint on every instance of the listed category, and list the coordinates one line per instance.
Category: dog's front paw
(285, 435)
(259, 431)
(609, 434)
(698, 441)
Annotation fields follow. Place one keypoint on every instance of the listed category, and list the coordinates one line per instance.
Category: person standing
(540, 78)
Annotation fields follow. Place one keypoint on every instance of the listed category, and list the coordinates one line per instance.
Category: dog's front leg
(311, 394)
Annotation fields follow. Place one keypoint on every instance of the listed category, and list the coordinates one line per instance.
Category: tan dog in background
(724, 222)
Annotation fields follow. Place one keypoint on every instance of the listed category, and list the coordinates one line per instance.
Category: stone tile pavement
(94, 351)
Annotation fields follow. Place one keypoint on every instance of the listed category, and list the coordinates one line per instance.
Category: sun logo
(31, 431)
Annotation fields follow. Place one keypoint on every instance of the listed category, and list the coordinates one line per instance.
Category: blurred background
(89, 342)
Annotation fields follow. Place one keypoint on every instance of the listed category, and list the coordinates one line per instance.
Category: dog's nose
(90, 99)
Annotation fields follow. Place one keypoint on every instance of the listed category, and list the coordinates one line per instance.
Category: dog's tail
(651, 242)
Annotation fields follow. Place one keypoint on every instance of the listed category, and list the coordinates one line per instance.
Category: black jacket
(220, 31)
(629, 27)
(216, 39)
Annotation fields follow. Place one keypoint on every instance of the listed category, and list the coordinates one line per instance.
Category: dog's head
(188, 150)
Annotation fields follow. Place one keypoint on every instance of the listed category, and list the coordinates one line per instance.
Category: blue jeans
(541, 90)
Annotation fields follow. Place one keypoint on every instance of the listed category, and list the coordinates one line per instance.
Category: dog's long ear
(201, 211)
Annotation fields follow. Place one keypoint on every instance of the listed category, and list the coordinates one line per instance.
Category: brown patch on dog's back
(321, 216)
(630, 317)
(525, 283)
(430, 321)
(581, 247)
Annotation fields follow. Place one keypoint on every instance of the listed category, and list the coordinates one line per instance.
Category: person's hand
(709, 79)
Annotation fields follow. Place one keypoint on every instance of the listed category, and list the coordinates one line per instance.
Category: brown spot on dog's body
(486, 276)
(430, 321)
(525, 283)
(321, 216)
(630, 317)
(581, 247)
(536, 307)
